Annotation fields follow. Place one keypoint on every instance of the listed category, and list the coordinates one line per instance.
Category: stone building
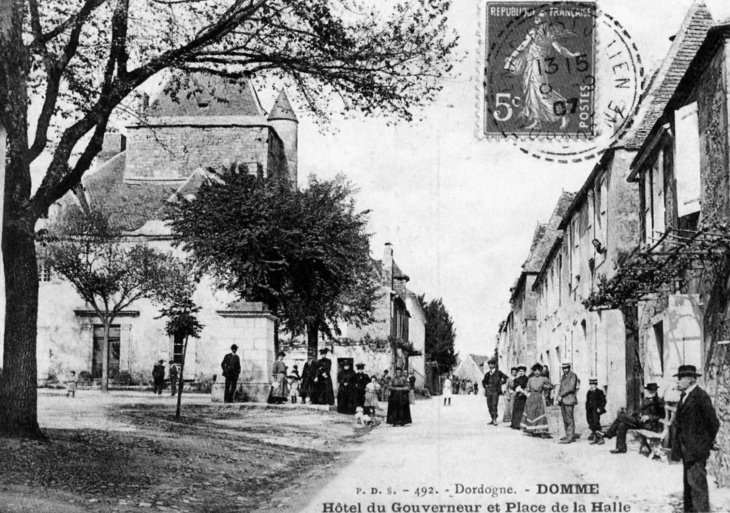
(596, 230)
(210, 123)
(398, 314)
(682, 171)
(599, 230)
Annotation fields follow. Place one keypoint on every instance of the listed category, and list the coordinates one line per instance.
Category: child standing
(595, 407)
(371, 395)
(294, 379)
(447, 391)
(71, 383)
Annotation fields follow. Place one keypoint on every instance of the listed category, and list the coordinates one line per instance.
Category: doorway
(114, 350)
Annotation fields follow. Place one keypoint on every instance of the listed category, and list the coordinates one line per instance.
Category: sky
(460, 210)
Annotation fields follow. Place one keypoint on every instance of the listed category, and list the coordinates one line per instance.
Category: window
(177, 348)
(44, 271)
(659, 337)
(657, 172)
(647, 203)
(575, 251)
(687, 160)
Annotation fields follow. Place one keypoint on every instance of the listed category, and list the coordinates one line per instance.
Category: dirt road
(449, 451)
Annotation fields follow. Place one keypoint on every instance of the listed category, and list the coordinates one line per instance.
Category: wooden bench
(654, 441)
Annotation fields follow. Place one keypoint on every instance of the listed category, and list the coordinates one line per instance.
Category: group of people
(158, 377)
(356, 390)
(694, 427)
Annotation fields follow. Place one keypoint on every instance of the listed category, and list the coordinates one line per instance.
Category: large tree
(305, 253)
(440, 334)
(81, 61)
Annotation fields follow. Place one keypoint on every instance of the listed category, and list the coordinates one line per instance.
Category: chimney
(114, 143)
(388, 265)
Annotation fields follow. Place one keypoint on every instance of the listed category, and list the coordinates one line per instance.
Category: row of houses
(628, 278)
(209, 123)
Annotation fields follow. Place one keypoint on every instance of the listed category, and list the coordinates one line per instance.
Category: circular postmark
(562, 80)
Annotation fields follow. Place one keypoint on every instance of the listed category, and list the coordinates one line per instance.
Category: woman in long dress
(323, 381)
(399, 408)
(508, 396)
(534, 420)
(346, 390)
(529, 61)
(518, 401)
(280, 390)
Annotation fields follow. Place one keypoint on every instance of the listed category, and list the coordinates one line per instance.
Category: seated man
(652, 409)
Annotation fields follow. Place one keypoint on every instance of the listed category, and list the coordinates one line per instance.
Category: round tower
(286, 124)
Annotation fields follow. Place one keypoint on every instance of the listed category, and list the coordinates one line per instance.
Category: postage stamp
(540, 69)
(562, 81)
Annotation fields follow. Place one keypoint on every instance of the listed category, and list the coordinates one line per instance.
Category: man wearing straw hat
(696, 426)
(567, 401)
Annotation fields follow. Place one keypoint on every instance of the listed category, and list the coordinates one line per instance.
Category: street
(449, 451)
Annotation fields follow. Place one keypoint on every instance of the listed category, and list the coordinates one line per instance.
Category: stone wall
(174, 151)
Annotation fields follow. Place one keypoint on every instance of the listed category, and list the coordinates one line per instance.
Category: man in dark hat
(567, 400)
(323, 386)
(231, 366)
(361, 381)
(696, 426)
(651, 410)
(492, 383)
(158, 377)
(595, 407)
(309, 373)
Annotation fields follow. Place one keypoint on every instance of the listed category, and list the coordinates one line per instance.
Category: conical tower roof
(282, 109)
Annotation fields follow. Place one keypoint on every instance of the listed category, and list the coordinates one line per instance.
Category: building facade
(208, 125)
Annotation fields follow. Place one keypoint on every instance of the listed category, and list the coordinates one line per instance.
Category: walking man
(158, 377)
(651, 410)
(231, 366)
(696, 426)
(173, 378)
(492, 383)
(567, 401)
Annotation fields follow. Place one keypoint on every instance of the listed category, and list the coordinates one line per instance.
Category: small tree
(182, 321)
(440, 334)
(107, 272)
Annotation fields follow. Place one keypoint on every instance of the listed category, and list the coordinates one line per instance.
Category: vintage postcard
(365, 256)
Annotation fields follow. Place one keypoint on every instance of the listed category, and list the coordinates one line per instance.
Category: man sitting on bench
(652, 409)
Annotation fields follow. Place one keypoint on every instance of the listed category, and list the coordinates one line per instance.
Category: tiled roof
(540, 251)
(687, 41)
(130, 205)
(183, 95)
(397, 273)
(282, 109)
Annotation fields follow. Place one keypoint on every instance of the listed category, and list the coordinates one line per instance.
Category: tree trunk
(313, 339)
(714, 321)
(180, 378)
(18, 395)
(634, 369)
(105, 357)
